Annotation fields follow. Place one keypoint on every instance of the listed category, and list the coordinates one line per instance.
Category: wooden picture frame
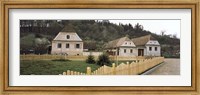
(4, 46)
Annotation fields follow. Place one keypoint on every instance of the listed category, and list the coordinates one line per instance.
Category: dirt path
(169, 67)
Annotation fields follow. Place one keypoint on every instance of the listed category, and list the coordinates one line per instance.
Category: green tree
(104, 60)
(90, 59)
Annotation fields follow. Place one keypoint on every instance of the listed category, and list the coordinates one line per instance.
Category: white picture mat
(15, 79)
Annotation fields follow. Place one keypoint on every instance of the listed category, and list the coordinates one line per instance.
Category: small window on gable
(68, 37)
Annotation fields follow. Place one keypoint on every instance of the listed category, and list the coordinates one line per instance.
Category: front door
(140, 52)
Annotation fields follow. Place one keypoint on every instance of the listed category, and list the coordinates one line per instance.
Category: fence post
(88, 70)
(75, 73)
(71, 73)
(64, 73)
(129, 69)
(113, 69)
(68, 72)
(104, 69)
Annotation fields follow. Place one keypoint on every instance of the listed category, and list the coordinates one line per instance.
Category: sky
(155, 26)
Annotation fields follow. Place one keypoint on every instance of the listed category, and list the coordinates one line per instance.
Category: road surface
(171, 66)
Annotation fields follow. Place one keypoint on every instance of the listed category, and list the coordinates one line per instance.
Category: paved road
(169, 67)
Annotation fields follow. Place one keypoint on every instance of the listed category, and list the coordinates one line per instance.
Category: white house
(121, 47)
(67, 42)
(141, 46)
(147, 46)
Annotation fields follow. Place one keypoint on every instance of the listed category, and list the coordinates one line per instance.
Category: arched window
(68, 37)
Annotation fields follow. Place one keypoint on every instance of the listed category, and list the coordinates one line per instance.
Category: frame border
(6, 5)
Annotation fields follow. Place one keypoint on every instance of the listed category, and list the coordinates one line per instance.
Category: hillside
(36, 35)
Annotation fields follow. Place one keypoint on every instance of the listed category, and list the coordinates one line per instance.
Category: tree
(104, 60)
(138, 27)
(163, 32)
(90, 59)
(174, 36)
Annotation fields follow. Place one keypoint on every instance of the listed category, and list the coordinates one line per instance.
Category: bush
(61, 59)
(104, 60)
(90, 59)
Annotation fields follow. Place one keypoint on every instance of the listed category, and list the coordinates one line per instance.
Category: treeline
(93, 32)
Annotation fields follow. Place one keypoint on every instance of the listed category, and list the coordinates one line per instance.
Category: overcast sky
(155, 26)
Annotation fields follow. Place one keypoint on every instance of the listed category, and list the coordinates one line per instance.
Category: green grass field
(50, 67)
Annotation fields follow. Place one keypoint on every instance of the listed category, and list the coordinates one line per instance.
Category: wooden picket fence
(52, 57)
(133, 68)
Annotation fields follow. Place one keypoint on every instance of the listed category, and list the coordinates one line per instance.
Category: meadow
(55, 67)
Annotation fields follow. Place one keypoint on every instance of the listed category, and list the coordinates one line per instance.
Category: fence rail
(52, 57)
(133, 68)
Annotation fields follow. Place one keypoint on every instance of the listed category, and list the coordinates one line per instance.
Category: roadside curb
(152, 69)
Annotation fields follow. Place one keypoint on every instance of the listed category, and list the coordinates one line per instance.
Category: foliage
(90, 59)
(61, 59)
(93, 32)
(104, 60)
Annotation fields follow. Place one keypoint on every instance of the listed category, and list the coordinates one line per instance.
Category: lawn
(54, 67)
(49, 67)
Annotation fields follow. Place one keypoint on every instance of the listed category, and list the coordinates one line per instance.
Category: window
(77, 45)
(124, 50)
(150, 48)
(68, 37)
(59, 45)
(131, 51)
(155, 48)
(67, 45)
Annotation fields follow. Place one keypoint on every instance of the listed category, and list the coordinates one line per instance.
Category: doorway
(140, 52)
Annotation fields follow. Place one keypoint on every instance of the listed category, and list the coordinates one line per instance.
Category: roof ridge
(116, 42)
(142, 40)
(68, 28)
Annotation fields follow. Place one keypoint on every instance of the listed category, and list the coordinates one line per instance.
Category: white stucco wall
(153, 52)
(128, 43)
(128, 53)
(72, 50)
(92, 53)
(72, 41)
(63, 36)
(152, 42)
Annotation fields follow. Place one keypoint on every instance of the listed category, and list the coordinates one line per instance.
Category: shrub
(61, 59)
(104, 60)
(90, 59)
